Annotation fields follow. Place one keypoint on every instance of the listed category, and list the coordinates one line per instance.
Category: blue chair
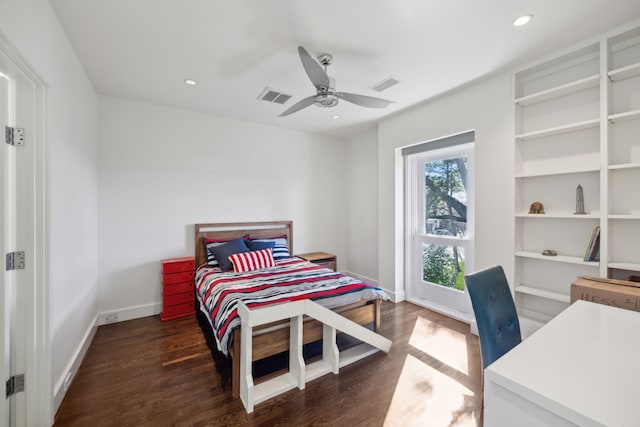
(498, 325)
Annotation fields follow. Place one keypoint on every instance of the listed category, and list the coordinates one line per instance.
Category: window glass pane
(445, 186)
(443, 265)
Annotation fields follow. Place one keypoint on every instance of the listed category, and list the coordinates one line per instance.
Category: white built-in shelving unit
(577, 121)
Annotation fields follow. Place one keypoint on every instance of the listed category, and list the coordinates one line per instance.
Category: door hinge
(14, 136)
(15, 261)
(15, 384)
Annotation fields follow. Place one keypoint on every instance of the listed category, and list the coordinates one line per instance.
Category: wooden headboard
(233, 230)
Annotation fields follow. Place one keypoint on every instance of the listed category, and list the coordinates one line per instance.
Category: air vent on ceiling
(271, 95)
(385, 84)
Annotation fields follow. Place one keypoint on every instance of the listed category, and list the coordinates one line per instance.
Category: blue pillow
(281, 248)
(222, 252)
(256, 245)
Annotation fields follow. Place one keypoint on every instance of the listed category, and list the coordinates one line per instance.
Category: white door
(5, 278)
(13, 281)
(440, 232)
(24, 311)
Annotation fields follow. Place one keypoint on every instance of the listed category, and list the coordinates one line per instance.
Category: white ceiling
(144, 49)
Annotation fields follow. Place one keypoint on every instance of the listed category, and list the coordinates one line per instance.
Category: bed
(361, 304)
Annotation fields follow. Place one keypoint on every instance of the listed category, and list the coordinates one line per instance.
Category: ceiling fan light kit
(326, 95)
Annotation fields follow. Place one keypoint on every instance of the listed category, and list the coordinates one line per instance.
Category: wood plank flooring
(148, 373)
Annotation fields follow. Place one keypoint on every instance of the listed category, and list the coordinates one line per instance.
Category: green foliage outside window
(439, 265)
(445, 206)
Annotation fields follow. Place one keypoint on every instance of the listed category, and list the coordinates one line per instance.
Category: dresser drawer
(175, 311)
(177, 288)
(171, 278)
(169, 300)
(176, 265)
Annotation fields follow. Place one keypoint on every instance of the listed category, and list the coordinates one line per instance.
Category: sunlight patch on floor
(442, 343)
(426, 397)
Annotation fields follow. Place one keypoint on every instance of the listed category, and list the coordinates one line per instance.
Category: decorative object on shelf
(536, 208)
(549, 252)
(592, 254)
(579, 201)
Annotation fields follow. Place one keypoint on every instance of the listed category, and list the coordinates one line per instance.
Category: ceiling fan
(326, 95)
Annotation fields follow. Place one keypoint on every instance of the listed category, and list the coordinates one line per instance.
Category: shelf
(624, 73)
(559, 215)
(529, 326)
(558, 258)
(534, 317)
(573, 127)
(562, 172)
(624, 166)
(542, 293)
(623, 117)
(624, 216)
(624, 266)
(600, 154)
(559, 91)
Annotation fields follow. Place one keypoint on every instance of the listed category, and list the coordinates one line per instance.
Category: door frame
(415, 214)
(35, 281)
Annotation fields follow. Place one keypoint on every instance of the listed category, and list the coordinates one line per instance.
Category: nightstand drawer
(169, 300)
(175, 311)
(327, 264)
(175, 265)
(171, 278)
(177, 288)
(324, 259)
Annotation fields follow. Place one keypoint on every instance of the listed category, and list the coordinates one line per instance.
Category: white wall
(362, 204)
(161, 170)
(71, 138)
(484, 106)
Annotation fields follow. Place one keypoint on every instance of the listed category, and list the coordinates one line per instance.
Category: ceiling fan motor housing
(325, 100)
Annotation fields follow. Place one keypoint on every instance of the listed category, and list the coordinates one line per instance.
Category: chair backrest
(498, 325)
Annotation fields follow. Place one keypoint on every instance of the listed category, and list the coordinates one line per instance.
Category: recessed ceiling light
(335, 116)
(522, 20)
(190, 82)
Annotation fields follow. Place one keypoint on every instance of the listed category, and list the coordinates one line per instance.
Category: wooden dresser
(178, 288)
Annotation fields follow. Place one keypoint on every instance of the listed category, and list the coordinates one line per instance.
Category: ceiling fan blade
(363, 100)
(304, 103)
(315, 72)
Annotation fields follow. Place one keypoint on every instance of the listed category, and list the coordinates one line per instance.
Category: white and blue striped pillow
(210, 244)
(281, 248)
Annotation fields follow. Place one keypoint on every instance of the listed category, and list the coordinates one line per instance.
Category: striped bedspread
(291, 279)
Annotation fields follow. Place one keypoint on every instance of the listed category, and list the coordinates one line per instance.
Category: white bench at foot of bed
(299, 372)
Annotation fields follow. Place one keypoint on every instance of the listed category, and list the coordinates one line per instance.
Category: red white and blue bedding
(291, 279)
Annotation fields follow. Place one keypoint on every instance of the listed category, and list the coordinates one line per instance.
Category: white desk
(582, 368)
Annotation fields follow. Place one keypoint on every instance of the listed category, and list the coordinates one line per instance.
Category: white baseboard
(395, 296)
(61, 386)
(463, 317)
(362, 278)
(130, 313)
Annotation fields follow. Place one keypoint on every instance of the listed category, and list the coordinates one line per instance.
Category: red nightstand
(178, 288)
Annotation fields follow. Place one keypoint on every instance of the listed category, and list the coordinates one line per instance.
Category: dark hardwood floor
(148, 373)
